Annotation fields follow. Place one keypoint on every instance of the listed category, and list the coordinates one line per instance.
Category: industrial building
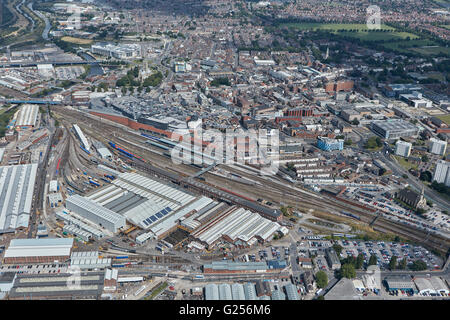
(431, 285)
(80, 135)
(235, 291)
(394, 129)
(94, 212)
(442, 172)
(404, 283)
(238, 226)
(212, 292)
(89, 260)
(437, 146)
(403, 148)
(79, 225)
(62, 286)
(16, 195)
(226, 266)
(27, 116)
(38, 250)
(120, 51)
(291, 292)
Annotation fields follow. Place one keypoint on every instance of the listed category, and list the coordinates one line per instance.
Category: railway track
(284, 193)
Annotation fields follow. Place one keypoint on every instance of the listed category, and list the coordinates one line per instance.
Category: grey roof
(250, 291)
(211, 292)
(16, 194)
(225, 292)
(278, 295)
(291, 291)
(237, 291)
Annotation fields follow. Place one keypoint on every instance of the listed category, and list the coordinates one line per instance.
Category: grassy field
(445, 118)
(422, 46)
(406, 164)
(335, 27)
(355, 30)
(446, 26)
(380, 36)
(76, 40)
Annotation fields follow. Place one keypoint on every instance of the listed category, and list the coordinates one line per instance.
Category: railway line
(273, 189)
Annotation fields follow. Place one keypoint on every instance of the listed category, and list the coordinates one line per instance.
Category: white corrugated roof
(39, 247)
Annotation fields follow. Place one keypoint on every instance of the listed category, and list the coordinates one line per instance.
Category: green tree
(425, 158)
(393, 263)
(359, 261)
(347, 271)
(321, 279)
(338, 248)
(402, 264)
(355, 122)
(373, 260)
(419, 265)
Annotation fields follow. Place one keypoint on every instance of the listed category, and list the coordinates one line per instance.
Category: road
(413, 181)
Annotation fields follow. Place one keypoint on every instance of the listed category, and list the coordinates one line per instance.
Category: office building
(328, 144)
(403, 148)
(437, 146)
(394, 129)
(442, 172)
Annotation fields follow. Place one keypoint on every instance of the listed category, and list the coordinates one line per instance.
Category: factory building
(212, 292)
(437, 146)
(89, 260)
(80, 135)
(94, 212)
(250, 291)
(291, 292)
(237, 225)
(78, 225)
(27, 116)
(38, 250)
(394, 129)
(55, 286)
(403, 148)
(16, 195)
(404, 283)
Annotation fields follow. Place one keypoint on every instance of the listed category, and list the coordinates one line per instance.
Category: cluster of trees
(440, 187)
(4, 120)
(373, 143)
(131, 79)
(220, 82)
(321, 279)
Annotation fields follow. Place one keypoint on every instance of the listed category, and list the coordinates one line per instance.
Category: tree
(426, 176)
(402, 264)
(338, 248)
(359, 261)
(419, 265)
(393, 263)
(425, 158)
(373, 260)
(404, 176)
(347, 271)
(321, 279)
(355, 122)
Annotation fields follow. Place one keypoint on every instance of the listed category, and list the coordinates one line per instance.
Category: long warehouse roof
(39, 247)
(16, 195)
(27, 115)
